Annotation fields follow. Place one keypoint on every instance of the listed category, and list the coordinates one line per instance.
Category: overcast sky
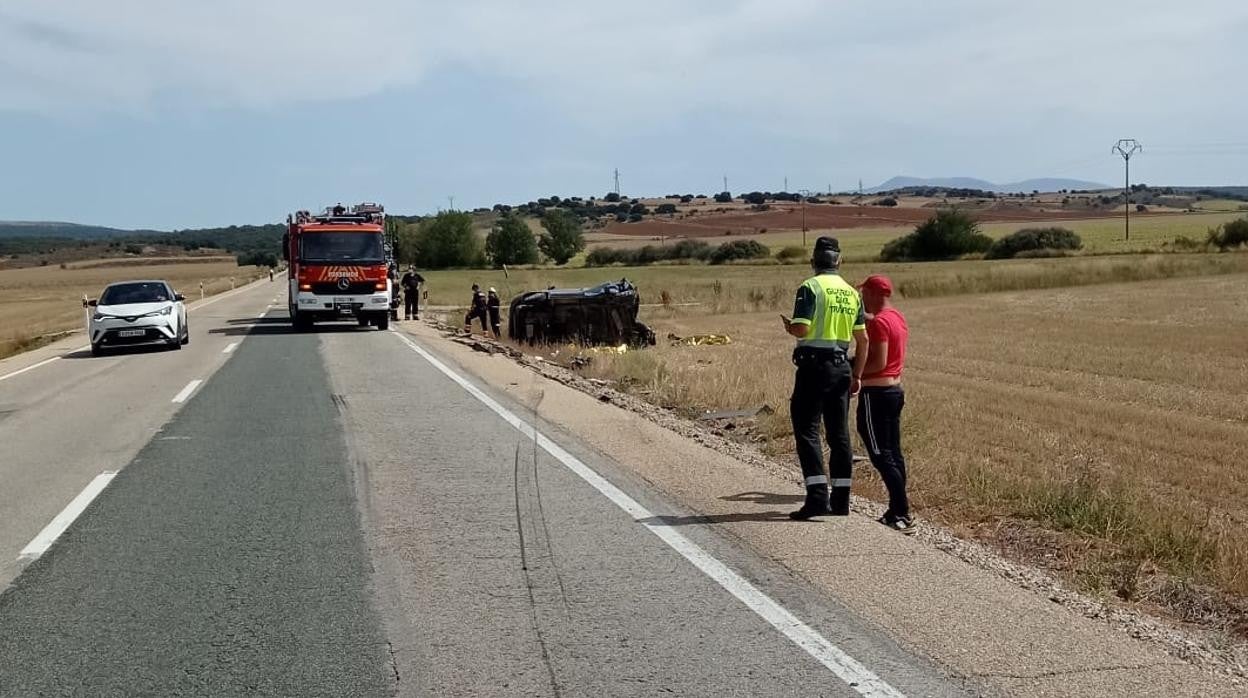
(183, 113)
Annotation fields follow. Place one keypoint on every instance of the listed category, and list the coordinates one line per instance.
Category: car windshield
(343, 247)
(139, 292)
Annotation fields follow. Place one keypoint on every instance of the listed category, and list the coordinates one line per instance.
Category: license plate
(131, 333)
(342, 300)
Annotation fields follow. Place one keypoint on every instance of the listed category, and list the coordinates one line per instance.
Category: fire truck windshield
(364, 248)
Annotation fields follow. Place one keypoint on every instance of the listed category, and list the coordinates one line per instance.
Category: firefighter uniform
(832, 309)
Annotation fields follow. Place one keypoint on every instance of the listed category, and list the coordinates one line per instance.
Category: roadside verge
(976, 622)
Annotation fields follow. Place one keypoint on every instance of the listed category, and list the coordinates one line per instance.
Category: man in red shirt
(881, 399)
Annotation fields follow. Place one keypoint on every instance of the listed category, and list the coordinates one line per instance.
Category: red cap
(878, 282)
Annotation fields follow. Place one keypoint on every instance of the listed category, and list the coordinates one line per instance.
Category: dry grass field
(40, 301)
(744, 288)
(1100, 431)
(1085, 414)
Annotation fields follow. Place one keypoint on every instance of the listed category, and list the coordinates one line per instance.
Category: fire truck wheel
(383, 322)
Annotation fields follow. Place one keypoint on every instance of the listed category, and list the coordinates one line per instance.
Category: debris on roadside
(737, 414)
(699, 340)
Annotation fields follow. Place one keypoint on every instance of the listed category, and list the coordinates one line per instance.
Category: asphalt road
(343, 513)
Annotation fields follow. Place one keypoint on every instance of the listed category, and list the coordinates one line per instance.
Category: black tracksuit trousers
(879, 425)
(821, 393)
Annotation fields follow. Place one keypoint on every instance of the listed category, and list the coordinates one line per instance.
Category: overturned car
(604, 314)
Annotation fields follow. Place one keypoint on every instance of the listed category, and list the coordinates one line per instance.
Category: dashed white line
(845, 667)
(186, 392)
(57, 526)
(230, 348)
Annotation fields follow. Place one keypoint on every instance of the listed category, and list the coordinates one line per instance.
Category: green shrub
(946, 235)
(1230, 235)
(683, 250)
(1033, 240)
(792, 253)
(739, 249)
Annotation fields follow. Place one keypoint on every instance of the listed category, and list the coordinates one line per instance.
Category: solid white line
(53, 530)
(230, 348)
(845, 667)
(31, 367)
(186, 392)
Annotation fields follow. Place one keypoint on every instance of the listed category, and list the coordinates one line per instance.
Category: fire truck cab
(338, 266)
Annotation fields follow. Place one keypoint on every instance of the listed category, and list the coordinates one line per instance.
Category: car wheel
(186, 337)
(383, 322)
(97, 350)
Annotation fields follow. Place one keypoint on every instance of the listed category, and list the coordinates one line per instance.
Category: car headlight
(166, 310)
(97, 317)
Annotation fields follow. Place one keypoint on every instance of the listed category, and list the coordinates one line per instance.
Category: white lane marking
(31, 367)
(186, 392)
(845, 667)
(230, 348)
(57, 526)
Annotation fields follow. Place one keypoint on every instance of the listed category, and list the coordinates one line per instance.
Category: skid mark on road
(851, 671)
(57, 526)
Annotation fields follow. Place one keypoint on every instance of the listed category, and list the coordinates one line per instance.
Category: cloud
(829, 67)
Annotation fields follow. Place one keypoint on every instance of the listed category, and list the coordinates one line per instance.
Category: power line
(1126, 147)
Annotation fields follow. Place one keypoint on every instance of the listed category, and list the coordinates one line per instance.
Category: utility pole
(1126, 147)
(786, 184)
(452, 200)
(804, 194)
(725, 183)
(617, 181)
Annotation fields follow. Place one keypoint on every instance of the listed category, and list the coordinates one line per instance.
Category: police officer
(412, 281)
(827, 319)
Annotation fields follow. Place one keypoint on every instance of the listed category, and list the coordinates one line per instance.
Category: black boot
(838, 503)
(816, 504)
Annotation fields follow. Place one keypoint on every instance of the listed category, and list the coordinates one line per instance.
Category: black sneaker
(901, 524)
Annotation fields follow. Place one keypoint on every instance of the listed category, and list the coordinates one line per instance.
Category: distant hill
(1048, 184)
(73, 231)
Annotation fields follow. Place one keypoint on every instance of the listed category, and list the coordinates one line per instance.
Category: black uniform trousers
(879, 425)
(411, 299)
(821, 393)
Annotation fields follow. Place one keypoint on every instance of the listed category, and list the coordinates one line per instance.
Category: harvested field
(1098, 431)
(1100, 235)
(39, 301)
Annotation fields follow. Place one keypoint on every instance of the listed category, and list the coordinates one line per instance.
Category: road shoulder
(969, 620)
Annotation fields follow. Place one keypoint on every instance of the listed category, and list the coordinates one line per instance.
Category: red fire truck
(338, 266)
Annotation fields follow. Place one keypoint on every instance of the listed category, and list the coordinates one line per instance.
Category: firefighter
(827, 319)
(411, 293)
(477, 309)
(882, 399)
(493, 303)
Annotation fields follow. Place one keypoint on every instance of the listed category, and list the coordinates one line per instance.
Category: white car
(129, 313)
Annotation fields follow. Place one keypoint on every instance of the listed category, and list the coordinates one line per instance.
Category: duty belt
(813, 355)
